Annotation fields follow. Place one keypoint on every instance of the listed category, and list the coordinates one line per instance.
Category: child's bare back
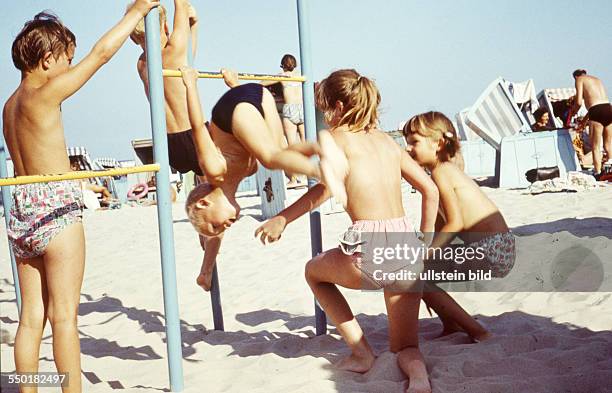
(479, 214)
(34, 132)
(374, 181)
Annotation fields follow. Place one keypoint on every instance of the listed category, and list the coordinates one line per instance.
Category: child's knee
(309, 270)
(33, 319)
(62, 313)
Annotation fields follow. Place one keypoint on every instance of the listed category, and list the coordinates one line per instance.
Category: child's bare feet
(482, 337)
(358, 364)
(204, 280)
(419, 386)
(449, 328)
(477, 336)
(412, 364)
(334, 166)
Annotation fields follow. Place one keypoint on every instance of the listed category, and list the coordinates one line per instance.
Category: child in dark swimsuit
(175, 47)
(245, 128)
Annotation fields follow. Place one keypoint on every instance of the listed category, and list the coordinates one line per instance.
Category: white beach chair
(478, 155)
(525, 97)
(498, 120)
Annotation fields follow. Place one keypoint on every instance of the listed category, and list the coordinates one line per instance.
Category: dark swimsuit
(251, 93)
(601, 113)
(182, 152)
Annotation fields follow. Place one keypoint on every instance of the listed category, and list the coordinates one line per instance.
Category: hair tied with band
(448, 134)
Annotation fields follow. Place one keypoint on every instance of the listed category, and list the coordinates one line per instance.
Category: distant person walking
(592, 91)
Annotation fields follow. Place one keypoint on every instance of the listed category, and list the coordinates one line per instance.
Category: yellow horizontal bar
(13, 181)
(248, 77)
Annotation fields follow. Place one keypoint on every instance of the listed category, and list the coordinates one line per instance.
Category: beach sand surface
(543, 341)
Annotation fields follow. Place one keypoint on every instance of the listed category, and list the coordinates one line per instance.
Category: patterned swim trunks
(40, 212)
(294, 112)
(364, 237)
(500, 251)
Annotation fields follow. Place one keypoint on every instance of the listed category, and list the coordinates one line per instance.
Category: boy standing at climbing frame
(45, 229)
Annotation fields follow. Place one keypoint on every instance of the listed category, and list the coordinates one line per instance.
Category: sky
(422, 55)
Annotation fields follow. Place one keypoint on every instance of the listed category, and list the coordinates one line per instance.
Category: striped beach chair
(478, 155)
(496, 118)
(495, 115)
(81, 156)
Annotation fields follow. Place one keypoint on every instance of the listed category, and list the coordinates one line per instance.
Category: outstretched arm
(579, 95)
(450, 203)
(272, 229)
(416, 176)
(179, 38)
(210, 158)
(193, 25)
(63, 86)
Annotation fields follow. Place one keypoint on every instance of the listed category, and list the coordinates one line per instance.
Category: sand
(544, 342)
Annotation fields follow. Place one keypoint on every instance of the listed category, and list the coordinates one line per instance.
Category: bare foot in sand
(334, 166)
(477, 335)
(419, 386)
(204, 280)
(450, 328)
(356, 364)
(412, 364)
(481, 337)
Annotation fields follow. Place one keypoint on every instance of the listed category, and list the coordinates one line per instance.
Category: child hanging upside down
(245, 128)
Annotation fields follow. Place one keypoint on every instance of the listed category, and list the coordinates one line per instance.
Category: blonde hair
(358, 94)
(199, 192)
(436, 126)
(138, 35)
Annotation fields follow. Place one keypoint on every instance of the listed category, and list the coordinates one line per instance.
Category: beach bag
(537, 174)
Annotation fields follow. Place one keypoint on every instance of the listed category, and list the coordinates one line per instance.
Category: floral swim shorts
(500, 251)
(40, 211)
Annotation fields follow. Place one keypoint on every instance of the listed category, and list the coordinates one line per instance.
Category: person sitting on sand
(592, 91)
(465, 211)
(244, 128)
(90, 190)
(349, 102)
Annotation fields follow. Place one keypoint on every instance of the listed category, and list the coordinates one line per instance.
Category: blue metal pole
(164, 204)
(215, 299)
(6, 203)
(311, 136)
